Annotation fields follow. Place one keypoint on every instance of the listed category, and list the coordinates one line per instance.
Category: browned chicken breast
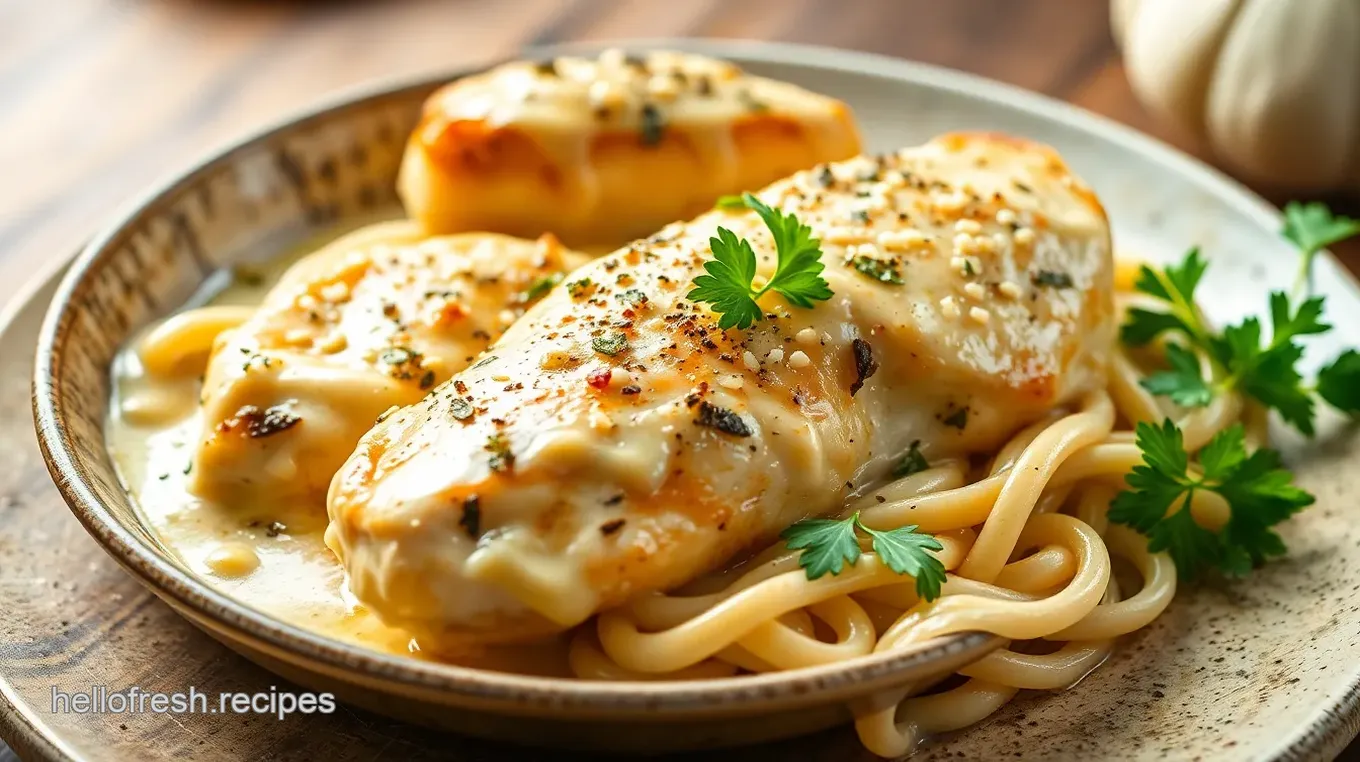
(600, 151)
(616, 441)
(359, 327)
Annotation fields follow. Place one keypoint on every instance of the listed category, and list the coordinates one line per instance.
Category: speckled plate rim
(750, 692)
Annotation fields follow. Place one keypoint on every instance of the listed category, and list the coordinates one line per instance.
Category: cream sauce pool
(269, 556)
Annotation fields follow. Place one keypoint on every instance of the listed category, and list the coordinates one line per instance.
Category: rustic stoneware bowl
(1263, 670)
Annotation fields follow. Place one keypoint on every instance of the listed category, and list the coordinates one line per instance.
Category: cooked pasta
(1022, 566)
(592, 456)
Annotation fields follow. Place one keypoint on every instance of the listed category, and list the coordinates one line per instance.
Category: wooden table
(100, 98)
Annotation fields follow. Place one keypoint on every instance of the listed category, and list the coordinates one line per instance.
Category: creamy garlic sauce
(270, 556)
(564, 145)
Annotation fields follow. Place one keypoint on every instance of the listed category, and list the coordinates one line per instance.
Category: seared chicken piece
(360, 326)
(615, 441)
(567, 146)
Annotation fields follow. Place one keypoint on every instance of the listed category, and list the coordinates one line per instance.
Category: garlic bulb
(1271, 86)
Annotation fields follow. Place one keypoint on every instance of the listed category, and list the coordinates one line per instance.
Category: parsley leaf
(539, 288)
(1192, 547)
(1259, 491)
(1142, 326)
(1269, 374)
(829, 544)
(1221, 455)
(1339, 382)
(1312, 228)
(911, 463)
(904, 551)
(798, 273)
(730, 203)
(727, 285)
(1183, 383)
(1175, 285)
(1307, 320)
(1237, 358)
(1262, 494)
(727, 282)
(610, 344)
(883, 271)
(826, 544)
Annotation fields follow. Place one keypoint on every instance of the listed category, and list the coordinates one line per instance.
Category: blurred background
(100, 98)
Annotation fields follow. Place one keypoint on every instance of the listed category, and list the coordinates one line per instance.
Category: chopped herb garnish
(958, 419)
(730, 203)
(1052, 279)
(612, 344)
(484, 361)
(471, 520)
(502, 459)
(256, 360)
(633, 296)
(859, 215)
(722, 419)
(398, 355)
(653, 126)
(865, 365)
(883, 271)
(427, 380)
(257, 423)
(579, 288)
(729, 275)
(828, 545)
(539, 288)
(911, 463)
(247, 276)
(460, 408)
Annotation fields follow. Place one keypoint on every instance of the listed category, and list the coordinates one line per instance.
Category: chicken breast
(365, 324)
(616, 441)
(564, 146)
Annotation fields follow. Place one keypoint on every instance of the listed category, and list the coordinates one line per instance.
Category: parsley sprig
(1312, 228)
(1236, 356)
(727, 284)
(829, 544)
(1259, 491)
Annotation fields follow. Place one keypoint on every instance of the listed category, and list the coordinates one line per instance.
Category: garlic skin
(1272, 87)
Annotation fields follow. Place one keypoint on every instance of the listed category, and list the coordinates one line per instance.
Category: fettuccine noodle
(1028, 548)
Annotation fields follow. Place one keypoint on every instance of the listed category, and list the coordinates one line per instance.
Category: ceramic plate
(1261, 669)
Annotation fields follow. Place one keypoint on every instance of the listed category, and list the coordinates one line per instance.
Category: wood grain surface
(101, 98)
